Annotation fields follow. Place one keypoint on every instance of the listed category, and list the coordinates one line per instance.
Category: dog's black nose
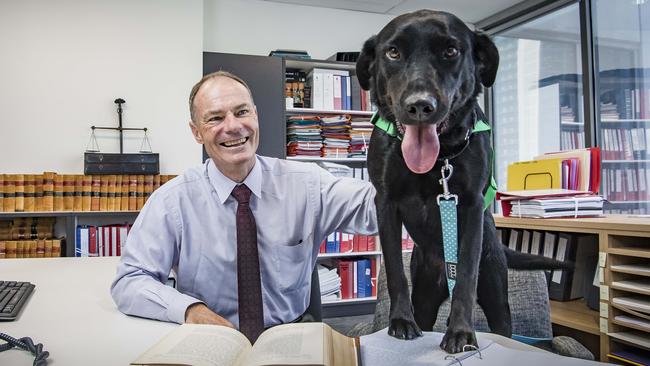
(420, 107)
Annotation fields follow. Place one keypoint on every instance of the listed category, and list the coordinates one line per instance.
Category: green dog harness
(480, 126)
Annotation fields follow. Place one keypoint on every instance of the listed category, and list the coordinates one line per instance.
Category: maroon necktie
(249, 287)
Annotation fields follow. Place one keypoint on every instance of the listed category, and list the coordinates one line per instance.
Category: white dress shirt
(188, 225)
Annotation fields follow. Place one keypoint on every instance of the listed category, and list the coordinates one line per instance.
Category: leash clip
(444, 182)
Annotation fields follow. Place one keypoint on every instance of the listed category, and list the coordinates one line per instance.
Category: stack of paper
(632, 268)
(642, 284)
(638, 303)
(330, 283)
(304, 136)
(633, 320)
(550, 203)
(360, 136)
(335, 131)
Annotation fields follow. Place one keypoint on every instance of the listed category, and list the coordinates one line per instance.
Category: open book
(287, 344)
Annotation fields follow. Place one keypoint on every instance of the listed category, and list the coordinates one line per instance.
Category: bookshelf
(622, 131)
(622, 240)
(322, 88)
(67, 221)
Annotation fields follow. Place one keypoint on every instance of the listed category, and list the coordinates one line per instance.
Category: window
(622, 88)
(537, 96)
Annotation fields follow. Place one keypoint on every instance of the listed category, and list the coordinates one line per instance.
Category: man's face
(226, 123)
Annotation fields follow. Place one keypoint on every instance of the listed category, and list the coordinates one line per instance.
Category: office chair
(314, 312)
(529, 307)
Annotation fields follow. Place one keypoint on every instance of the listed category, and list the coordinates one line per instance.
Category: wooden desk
(625, 239)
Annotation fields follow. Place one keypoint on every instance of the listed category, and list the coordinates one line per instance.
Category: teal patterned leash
(448, 215)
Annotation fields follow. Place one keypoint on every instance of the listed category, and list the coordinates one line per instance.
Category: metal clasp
(446, 171)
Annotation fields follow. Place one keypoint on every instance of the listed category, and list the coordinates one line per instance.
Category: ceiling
(470, 11)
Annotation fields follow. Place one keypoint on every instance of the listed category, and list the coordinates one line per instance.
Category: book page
(290, 344)
(198, 345)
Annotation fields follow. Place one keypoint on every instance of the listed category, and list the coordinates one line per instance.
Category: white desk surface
(72, 313)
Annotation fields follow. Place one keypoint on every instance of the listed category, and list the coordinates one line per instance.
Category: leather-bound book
(48, 191)
(58, 192)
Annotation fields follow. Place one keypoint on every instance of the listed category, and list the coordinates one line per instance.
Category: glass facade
(538, 102)
(537, 97)
(621, 32)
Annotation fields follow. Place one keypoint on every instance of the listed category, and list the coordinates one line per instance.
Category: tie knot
(242, 194)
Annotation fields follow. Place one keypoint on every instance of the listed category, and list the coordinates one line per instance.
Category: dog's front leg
(402, 323)
(460, 331)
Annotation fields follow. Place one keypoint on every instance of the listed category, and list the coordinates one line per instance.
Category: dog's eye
(393, 53)
(451, 52)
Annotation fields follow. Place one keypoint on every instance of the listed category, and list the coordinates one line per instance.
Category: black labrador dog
(424, 71)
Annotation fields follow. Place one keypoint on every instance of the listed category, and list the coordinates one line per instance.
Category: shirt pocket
(293, 264)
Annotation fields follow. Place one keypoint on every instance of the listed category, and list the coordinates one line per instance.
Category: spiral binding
(26, 344)
(456, 360)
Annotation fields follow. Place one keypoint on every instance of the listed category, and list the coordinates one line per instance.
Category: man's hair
(197, 86)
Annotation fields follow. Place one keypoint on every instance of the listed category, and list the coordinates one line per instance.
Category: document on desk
(379, 349)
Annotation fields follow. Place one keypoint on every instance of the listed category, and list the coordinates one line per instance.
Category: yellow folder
(535, 174)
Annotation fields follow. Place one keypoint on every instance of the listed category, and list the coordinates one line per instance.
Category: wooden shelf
(575, 314)
(629, 271)
(641, 291)
(632, 337)
(631, 251)
(587, 224)
(630, 325)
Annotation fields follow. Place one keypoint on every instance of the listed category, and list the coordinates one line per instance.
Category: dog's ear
(365, 63)
(487, 59)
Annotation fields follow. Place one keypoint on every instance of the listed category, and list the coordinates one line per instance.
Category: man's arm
(199, 313)
(347, 205)
(151, 249)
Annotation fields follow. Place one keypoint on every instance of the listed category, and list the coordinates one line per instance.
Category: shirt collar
(224, 185)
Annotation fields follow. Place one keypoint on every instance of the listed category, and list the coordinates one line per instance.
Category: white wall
(256, 27)
(62, 63)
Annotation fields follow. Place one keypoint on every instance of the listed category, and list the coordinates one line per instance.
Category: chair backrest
(527, 295)
(314, 311)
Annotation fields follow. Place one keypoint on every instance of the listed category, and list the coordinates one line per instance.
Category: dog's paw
(404, 329)
(455, 340)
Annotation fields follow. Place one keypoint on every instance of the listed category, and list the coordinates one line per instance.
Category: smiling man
(242, 231)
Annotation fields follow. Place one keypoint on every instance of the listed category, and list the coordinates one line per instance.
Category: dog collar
(389, 127)
(479, 126)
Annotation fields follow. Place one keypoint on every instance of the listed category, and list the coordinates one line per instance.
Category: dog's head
(422, 68)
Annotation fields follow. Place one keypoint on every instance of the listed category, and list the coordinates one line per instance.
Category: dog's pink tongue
(420, 147)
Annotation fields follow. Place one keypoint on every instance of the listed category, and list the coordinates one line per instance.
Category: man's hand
(200, 314)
